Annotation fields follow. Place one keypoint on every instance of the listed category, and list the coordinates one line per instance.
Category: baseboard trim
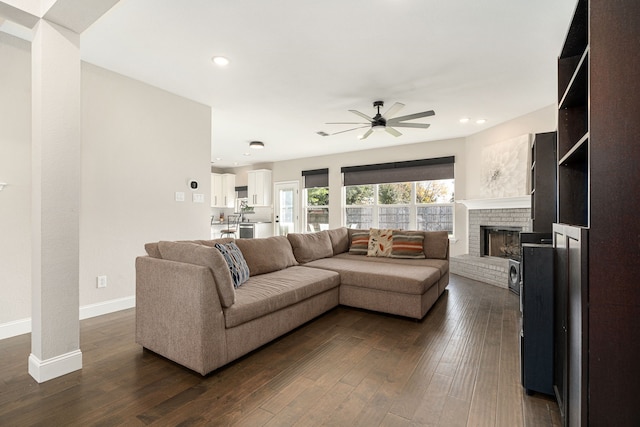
(45, 370)
(15, 328)
(23, 326)
(106, 307)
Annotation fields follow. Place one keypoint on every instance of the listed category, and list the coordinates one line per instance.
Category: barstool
(232, 226)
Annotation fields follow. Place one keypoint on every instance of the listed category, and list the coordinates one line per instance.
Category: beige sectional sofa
(188, 310)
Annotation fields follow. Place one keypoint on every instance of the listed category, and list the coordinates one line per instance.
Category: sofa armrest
(178, 313)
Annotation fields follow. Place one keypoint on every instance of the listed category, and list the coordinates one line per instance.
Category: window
(425, 203)
(316, 199)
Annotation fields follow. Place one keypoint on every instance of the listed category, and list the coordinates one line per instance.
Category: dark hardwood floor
(459, 366)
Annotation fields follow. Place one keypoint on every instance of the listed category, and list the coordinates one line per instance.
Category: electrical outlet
(101, 282)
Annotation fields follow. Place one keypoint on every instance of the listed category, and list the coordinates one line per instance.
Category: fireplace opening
(500, 241)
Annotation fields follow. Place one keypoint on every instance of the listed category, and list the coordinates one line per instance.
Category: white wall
(543, 120)
(140, 146)
(15, 169)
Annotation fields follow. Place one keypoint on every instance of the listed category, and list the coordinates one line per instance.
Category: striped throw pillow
(236, 262)
(359, 243)
(407, 246)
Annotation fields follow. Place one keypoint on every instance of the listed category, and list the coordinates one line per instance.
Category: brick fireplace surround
(488, 269)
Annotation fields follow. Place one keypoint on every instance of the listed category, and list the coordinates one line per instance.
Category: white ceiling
(296, 64)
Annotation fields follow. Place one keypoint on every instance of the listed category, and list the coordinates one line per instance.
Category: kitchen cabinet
(223, 190)
(259, 187)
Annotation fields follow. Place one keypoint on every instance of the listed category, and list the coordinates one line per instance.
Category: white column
(56, 142)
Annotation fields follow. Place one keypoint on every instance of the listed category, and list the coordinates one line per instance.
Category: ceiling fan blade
(393, 110)
(369, 132)
(364, 116)
(392, 131)
(347, 123)
(411, 125)
(411, 116)
(348, 130)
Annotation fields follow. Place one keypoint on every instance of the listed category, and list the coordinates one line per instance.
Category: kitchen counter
(255, 229)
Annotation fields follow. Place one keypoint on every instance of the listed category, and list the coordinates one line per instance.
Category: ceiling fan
(386, 121)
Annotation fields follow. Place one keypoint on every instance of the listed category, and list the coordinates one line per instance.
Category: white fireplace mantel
(501, 203)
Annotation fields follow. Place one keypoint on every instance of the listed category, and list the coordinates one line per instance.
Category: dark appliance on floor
(514, 276)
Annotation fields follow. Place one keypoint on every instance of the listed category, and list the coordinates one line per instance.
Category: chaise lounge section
(189, 311)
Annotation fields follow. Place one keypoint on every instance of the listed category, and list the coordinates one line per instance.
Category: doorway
(287, 212)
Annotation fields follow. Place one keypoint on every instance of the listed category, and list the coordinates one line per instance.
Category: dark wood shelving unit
(543, 181)
(597, 289)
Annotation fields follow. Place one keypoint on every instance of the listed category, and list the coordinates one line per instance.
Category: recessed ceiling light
(218, 158)
(481, 121)
(246, 154)
(256, 145)
(220, 61)
(464, 120)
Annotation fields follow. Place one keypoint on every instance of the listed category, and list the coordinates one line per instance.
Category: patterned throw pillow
(359, 243)
(379, 242)
(236, 262)
(407, 246)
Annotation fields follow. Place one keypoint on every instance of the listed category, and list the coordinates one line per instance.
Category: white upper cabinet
(259, 187)
(223, 190)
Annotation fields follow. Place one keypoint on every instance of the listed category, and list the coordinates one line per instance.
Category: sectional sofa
(191, 308)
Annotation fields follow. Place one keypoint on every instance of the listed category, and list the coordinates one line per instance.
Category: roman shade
(316, 178)
(409, 171)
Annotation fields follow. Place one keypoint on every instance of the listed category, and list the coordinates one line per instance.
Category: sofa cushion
(359, 243)
(384, 276)
(152, 250)
(339, 240)
(441, 264)
(236, 263)
(407, 245)
(267, 254)
(270, 292)
(310, 246)
(379, 242)
(436, 244)
(193, 253)
(212, 243)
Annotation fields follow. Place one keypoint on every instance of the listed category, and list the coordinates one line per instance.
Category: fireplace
(500, 241)
(477, 264)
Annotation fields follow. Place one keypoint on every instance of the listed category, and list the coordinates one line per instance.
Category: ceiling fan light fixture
(256, 145)
(378, 127)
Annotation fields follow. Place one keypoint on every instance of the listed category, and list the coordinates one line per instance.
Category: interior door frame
(281, 185)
